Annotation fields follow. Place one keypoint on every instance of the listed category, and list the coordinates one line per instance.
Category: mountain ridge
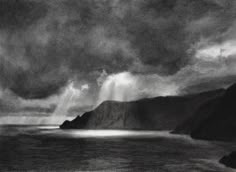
(158, 113)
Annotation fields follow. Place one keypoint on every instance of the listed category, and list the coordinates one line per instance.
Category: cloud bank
(143, 48)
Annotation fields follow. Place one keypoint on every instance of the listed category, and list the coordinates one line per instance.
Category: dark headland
(160, 113)
(214, 119)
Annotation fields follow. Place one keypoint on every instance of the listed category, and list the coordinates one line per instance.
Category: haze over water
(47, 148)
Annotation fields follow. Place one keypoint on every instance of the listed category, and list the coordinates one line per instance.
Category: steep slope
(160, 113)
(221, 123)
(201, 114)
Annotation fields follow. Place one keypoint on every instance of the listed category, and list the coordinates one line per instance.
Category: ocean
(47, 148)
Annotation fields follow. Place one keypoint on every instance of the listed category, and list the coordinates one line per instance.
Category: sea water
(48, 148)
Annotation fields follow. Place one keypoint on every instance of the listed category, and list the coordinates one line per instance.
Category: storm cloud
(46, 44)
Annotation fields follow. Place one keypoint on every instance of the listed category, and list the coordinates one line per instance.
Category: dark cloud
(7, 106)
(208, 83)
(39, 109)
(18, 14)
(32, 83)
(45, 44)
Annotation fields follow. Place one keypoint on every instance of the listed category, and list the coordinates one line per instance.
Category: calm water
(47, 148)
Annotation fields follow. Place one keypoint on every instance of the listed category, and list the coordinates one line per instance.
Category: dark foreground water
(47, 148)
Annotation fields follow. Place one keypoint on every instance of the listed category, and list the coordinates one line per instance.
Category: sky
(65, 57)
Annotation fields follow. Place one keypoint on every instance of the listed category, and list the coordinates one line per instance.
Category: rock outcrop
(160, 113)
(229, 160)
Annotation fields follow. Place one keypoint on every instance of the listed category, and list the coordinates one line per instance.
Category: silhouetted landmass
(160, 113)
(229, 160)
(215, 119)
(201, 114)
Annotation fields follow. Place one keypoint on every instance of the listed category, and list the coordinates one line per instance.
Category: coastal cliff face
(221, 123)
(215, 119)
(199, 117)
(160, 113)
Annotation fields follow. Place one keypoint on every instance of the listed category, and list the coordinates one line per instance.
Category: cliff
(160, 113)
(201, 114)
(215, 119)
